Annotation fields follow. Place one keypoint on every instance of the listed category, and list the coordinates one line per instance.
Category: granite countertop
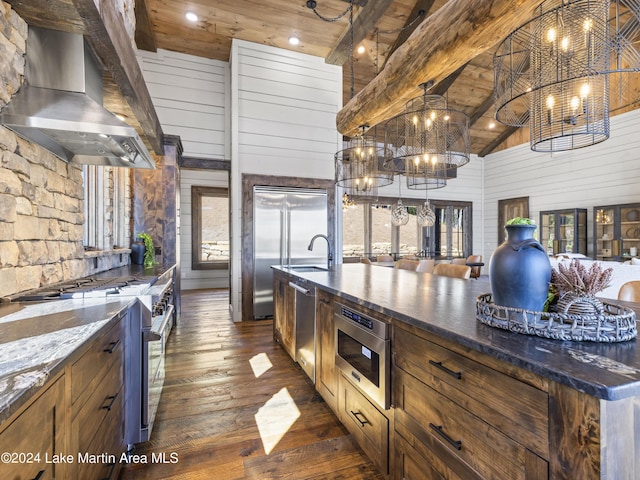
(447, 307)
(38, 338)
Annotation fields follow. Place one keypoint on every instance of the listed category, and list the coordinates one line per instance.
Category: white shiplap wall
(603, 174)
(283, 111)
(193, 279)
(191, 97)
(189, 94)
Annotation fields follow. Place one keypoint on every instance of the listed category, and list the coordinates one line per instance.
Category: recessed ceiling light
(192, 17)
(293, 40)
(361, 49)
(120, 116)
(492, 125)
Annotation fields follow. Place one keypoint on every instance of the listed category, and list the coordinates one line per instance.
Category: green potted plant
(149, 249)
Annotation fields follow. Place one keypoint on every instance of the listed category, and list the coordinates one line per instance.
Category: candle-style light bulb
(584, 96)
(550, 103)
(587, 25)
(551, 35)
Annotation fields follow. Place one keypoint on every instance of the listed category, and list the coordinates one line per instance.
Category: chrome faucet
(329, 252)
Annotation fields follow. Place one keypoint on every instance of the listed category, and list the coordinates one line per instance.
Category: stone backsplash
(41, 196)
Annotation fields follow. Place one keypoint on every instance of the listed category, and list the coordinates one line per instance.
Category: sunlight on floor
(275, 418)
(260, 363)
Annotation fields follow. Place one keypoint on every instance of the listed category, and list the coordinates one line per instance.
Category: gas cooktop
(85, 288)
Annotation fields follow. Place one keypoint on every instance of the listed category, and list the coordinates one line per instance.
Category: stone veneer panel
(41, 196)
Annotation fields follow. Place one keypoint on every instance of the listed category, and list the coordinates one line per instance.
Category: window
(209, 228)
(106, 207)
(450, 236)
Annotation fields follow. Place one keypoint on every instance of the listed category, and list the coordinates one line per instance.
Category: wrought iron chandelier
(357, 167)
(428, 137)
(556, 71)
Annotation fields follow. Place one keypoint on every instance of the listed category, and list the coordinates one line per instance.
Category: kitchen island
(525, 407)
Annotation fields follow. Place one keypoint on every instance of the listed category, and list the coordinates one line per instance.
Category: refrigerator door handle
(283, 257)
(288, 237)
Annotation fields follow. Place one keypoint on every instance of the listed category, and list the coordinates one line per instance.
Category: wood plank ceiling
(380, 26)
(453, 44)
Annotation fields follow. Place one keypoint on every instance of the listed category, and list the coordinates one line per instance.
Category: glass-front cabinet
(616, 231)
(564, 231)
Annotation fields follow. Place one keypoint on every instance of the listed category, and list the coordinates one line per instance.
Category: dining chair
(384, 258)
(365, 260)
(450, 270)
(630, 291)
(405, 264)
(426, 265)
(459, 261)
(410, 257)
(476, 269)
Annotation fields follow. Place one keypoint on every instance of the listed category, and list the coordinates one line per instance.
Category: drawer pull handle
(112, 346)
(362, 422)
(39, 475)
(325, 301)
(439, 365)
(457, 444)
(113, 400)
(111, 470)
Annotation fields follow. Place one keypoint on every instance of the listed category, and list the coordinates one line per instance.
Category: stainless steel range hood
(60, 105)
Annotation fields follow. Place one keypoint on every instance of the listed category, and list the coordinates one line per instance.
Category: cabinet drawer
(365, 422)
(97, 360)
(517, 409)
(101, 409)
(37, 430)
(458, 436)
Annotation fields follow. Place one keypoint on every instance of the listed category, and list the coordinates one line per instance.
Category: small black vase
(137, 253)
(520, 270)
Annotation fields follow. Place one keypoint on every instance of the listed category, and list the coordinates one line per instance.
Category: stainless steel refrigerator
(284, 221)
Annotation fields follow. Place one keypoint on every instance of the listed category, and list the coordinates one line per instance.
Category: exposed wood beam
(145, 37)
(497, 141)
(421, 5)
(112, 44)
(441, 44)
(481, 110)
(442, 87)
(362, 24)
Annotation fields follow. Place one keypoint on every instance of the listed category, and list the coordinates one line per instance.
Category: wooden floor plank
(213, 403)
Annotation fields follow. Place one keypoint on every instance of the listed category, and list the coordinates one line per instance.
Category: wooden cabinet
(326, 372)
(284, 304)
(616, 232)
(36, 437)
(97, 405)
(564, 231)
(368, 425)
(460, 418)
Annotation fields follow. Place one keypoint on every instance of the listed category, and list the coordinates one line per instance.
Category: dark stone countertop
(446, 307)
(37, 339)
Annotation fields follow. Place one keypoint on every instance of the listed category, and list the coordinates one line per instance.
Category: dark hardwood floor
(226, 419)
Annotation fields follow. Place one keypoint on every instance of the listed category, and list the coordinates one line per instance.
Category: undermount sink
(305, 268)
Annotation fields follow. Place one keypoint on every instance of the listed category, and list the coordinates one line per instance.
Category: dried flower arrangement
(577, 279)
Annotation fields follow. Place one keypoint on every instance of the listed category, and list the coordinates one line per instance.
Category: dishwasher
(305, 327)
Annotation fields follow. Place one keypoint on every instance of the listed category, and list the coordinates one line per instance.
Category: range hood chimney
(60, 105)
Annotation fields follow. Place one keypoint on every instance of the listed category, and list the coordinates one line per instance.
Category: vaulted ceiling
(405, 43)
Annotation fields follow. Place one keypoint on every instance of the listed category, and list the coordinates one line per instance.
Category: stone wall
(41, 196)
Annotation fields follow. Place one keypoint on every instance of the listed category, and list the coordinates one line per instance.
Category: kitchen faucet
(329, 252)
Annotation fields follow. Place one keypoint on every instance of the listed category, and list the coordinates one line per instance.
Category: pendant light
(427, 130)
(399, 213)
(556, 71)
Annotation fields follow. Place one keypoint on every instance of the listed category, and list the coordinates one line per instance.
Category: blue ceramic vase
(520, 270)
(137, 253)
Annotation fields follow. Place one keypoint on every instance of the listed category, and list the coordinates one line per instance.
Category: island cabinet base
(368, 425)
(457, 417)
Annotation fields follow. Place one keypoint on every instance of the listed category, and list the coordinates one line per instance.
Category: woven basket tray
(615, 324)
